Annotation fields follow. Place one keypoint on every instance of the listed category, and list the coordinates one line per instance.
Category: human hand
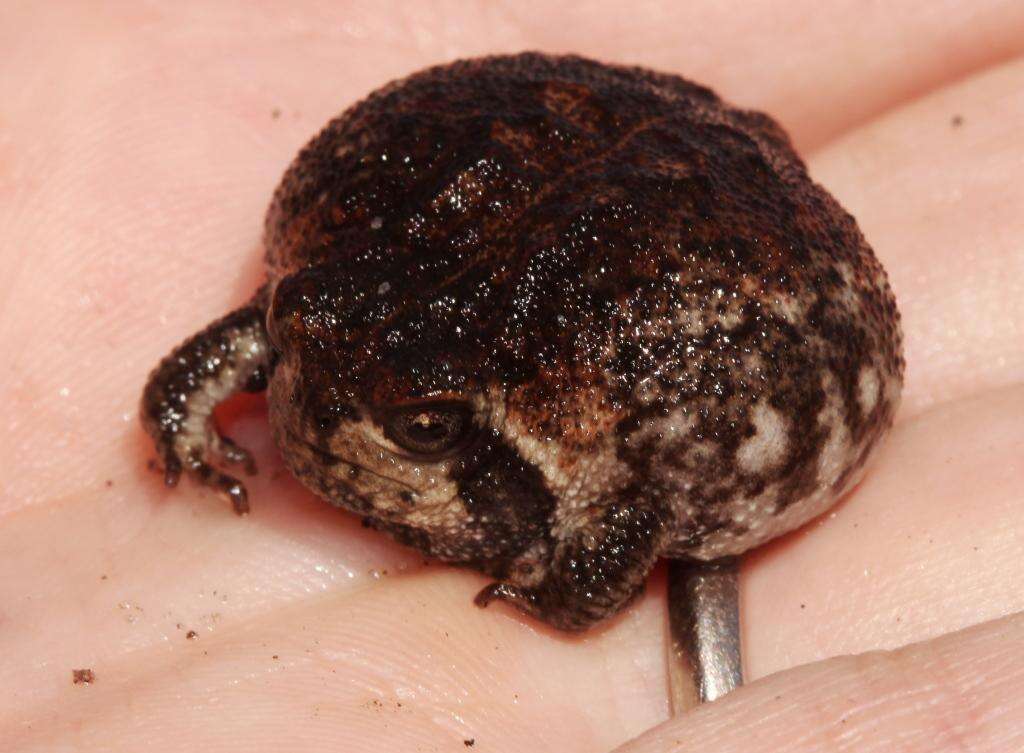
(138, 151)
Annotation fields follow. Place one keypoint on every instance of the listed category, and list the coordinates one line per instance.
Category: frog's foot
(227, 486)
(598, 569)
(229, 356)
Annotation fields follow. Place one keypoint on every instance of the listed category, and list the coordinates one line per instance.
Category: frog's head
(408, 409)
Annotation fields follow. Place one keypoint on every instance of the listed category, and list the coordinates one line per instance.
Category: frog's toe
(503, 591)
(195, 465)
(172, 470)
(229, 453)
(227, 486)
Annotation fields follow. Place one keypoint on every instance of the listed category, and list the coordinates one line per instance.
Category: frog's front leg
(229, 356)
(598, 566)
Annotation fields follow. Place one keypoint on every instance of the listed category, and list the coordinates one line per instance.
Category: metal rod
(704, 630)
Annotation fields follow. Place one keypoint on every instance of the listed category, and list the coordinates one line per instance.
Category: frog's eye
(429, 428)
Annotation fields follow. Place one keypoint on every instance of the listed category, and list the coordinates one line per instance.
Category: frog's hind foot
(597, 569)
(229, 356)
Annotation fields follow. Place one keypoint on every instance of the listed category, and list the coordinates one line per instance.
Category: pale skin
(138, 150)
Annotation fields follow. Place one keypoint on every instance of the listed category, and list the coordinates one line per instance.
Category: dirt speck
(103, 576)
(469, 742)
(275, 657)
(191, 635)
(83, 676)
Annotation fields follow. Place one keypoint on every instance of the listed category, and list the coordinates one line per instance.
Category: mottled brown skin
(553, 319)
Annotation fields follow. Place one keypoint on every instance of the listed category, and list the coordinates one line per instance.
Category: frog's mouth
(326, 458)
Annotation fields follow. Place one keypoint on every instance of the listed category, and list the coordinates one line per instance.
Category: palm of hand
(134, 184)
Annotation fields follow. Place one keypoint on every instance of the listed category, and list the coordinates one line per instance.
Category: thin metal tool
(704, 627)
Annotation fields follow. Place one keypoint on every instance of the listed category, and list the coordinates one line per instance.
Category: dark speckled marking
(673, 341)
(507, 499)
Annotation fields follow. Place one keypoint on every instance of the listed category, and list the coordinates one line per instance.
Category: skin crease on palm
(138, 150)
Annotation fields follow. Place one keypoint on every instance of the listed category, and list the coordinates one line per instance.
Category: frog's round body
(664, 338)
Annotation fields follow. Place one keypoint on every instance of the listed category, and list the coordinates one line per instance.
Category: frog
(553, 320)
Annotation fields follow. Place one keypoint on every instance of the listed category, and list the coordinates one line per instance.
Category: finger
(929, 543)
(820, 70)
(91, 578)
(412, 666)
(954, 693)
(935, 187)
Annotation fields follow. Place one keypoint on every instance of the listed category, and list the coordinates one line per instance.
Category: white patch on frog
(753, 363)
(789, 307)
(761, 516)
(543, 453)
(837, 451)
(689, 320)
(769, 444)
(670, 428)
(529, 569)
(848, 292)
(577, 482)
(764, 522)
(732, 317)
(248, 353)
(891, 387)
(673, 433)
(867, 389)
(439, 509)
